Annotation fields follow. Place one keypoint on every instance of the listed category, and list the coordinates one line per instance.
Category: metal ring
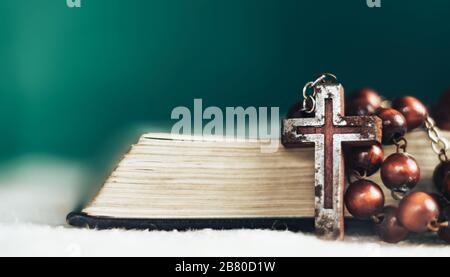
(435, 226)
(308, 85)
(430, 121)
(311, 97)
(433, 134)
(305, 104)
(401, 143)
(444, 143)
(322, 78)
(443, 156)
(385, 103)
(440, 146)
(318, 80)
(325, 76)
(398, 195)
(355, 175)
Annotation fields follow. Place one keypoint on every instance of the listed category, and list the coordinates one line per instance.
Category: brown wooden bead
(444, 232)
(440, 174)
(364, 101)
(412, 109)
(400, 172)
(366, 160)
(394, 125)
(417, 211)
(445, 213)
(443, 121)
(364, 199)
(389, 229)
(446, 186)
(443, 202)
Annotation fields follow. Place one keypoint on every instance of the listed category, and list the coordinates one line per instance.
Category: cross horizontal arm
(367, 127)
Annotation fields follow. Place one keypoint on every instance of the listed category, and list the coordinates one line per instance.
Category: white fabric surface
(36, 194)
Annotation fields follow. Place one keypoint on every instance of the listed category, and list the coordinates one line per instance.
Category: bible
(178, 182)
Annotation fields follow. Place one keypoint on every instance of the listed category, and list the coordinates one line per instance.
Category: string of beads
(417, 211)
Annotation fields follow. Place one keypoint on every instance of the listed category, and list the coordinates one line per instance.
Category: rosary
(368, 123)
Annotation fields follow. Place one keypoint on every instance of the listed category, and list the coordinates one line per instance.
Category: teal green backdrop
(82, 83)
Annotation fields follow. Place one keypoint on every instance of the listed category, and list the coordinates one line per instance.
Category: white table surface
(36, 194)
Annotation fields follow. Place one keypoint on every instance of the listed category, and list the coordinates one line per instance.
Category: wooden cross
(327, 131)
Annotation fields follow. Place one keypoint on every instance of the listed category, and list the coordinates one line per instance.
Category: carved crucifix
(328, 131)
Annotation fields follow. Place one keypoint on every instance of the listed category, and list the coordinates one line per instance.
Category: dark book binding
(83, 220)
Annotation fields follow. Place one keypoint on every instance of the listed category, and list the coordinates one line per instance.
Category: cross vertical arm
(327, 132)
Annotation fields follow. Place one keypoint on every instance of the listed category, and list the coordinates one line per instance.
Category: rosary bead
(417, 211)
(444, 232)
(389, 229)
(366, 160)
(443, 121)
(441, 171)
(443, 205)
(400, 172)
(394, 125)
(445, 213)
(413, 110)
(364, 102)
(441, 200)
(446, 186)
(364, 199)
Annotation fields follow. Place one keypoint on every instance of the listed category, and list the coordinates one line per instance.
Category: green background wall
(82, 83)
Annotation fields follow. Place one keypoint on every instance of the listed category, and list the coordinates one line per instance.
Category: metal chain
(439, 144)
(309, 99)
(401, 144)
(398, 195)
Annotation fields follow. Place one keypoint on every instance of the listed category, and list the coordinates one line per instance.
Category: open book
(183, 182)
